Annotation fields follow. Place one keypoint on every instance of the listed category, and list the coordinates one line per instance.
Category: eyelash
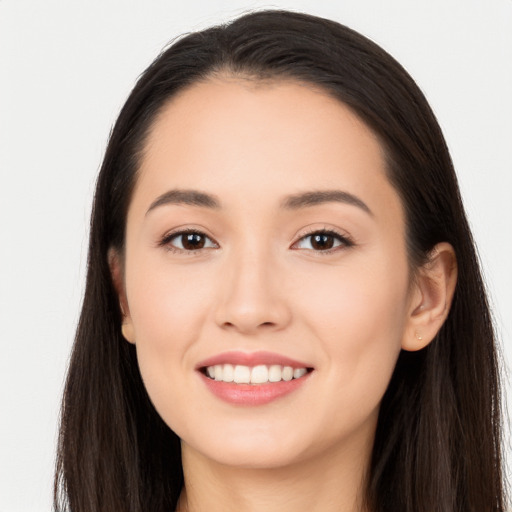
(166, 241)
(345, 241)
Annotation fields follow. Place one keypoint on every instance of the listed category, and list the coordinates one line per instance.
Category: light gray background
(65, 70)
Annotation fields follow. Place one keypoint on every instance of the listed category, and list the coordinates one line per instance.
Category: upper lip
(251, 359)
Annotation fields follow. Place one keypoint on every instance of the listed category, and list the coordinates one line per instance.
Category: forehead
(252, 110)
(239, 137)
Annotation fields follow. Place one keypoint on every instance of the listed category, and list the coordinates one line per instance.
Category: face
(265, 243)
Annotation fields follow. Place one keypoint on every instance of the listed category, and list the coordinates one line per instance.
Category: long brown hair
(437, 446)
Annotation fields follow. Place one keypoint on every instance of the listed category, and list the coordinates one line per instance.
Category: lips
(252, 378)
(252, 359)
(260, 374)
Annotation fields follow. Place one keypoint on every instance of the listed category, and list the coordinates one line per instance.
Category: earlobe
(127, 331)
(431, 297)
(116, 271)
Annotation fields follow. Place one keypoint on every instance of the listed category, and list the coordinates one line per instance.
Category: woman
(283, 306)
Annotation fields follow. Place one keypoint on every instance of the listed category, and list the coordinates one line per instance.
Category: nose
(252, 298)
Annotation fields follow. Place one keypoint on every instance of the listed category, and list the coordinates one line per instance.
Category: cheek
(358, 317)
(167, 307)
(164, 300)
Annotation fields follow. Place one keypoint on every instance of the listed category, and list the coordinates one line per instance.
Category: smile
(256, 375)
(252, 379)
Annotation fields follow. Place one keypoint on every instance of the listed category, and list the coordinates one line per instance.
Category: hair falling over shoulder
(438, 440)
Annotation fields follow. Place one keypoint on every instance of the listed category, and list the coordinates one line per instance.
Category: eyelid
(165, 240)
(345, 239)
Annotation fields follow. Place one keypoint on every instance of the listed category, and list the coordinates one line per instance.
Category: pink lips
(250, 394)
(251, 359)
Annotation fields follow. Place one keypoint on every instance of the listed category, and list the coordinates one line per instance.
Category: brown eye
(189, 241)
(323, 241)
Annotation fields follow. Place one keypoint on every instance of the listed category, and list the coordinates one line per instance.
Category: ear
(431, 297)
(116, 271)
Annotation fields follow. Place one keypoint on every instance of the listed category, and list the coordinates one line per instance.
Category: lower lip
(252, 394)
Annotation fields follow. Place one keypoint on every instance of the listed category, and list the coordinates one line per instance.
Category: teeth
(299, 372)
(242, 374)
(287, 373)
(274, 373)
(228, 373)
(260, 374)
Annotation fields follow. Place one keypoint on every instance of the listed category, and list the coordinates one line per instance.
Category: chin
(250, 451)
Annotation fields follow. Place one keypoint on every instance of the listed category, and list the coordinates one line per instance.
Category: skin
(259, 284)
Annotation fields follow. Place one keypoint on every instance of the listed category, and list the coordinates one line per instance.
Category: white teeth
(260, 374)
(274, 373)
(228, 373)
(242, 374)
(287, 373)
(299, 372)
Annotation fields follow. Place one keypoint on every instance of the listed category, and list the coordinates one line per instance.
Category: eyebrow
(292, 202)
(190, 197)
(306, 199)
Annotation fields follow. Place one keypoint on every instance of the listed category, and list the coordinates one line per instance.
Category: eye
(323, 241)
(188, 241)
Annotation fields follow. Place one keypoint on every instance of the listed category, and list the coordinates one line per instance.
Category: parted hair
(437, 445)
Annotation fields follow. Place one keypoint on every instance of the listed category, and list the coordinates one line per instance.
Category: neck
(333, 482)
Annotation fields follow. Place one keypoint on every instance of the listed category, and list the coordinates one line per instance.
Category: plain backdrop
(65, 70)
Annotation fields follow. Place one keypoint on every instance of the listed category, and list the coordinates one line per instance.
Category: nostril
(231, 325)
